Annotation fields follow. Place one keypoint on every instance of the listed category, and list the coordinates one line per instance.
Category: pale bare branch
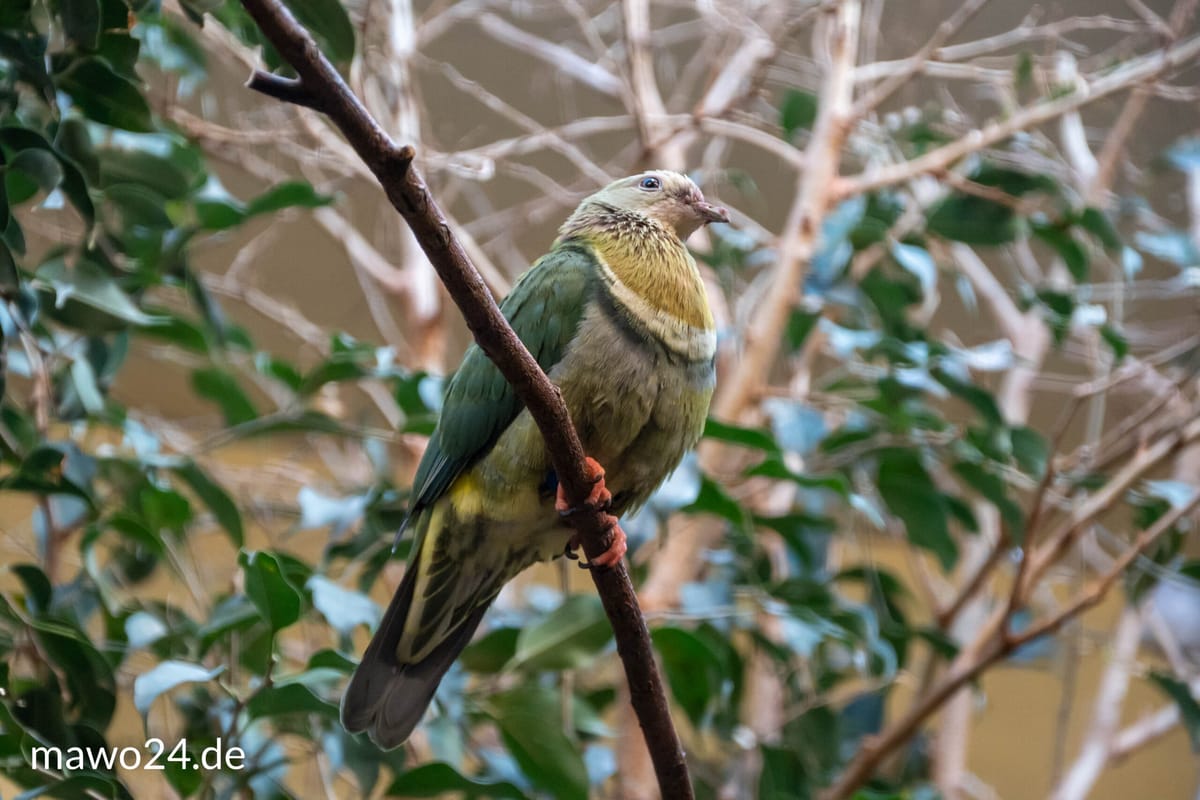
(1129, 74)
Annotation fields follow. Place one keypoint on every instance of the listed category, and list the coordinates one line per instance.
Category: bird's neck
(647, 259)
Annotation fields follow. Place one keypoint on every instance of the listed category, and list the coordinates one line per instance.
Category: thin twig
(993, 645)
(1130, 74)
(562, 59)
(289, 90)
(1106, 712)
(885, 89)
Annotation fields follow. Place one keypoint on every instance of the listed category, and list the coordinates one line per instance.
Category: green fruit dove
(616, 314)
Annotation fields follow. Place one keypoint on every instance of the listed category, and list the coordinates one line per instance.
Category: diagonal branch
(1125, 76)
(894, 81)
(392, 166)
(993, 645)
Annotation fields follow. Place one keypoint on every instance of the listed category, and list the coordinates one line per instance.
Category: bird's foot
(599, 500)
(613, 555)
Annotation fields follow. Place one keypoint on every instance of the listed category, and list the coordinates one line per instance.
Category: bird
(617, 316)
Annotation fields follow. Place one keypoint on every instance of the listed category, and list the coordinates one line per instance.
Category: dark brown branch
(289, 90)
(392, 165)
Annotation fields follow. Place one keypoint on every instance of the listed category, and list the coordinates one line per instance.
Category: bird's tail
(387, 698)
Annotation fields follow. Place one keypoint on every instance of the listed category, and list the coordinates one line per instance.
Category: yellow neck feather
(649, 260)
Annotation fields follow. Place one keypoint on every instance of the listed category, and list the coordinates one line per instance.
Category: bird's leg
(599, 500)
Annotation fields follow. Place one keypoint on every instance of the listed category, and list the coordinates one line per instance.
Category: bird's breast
(637, 403)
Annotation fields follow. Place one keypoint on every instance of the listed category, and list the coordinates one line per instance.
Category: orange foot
(599, 500)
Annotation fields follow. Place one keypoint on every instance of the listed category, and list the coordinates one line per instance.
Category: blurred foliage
(920, 442)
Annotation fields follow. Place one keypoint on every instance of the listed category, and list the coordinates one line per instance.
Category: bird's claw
(610, 557)
(599, 500)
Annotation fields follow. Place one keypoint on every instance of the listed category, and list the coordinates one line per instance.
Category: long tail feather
(387, 698)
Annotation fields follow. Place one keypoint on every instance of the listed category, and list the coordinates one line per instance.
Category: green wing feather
(443, 597)
(544, 309)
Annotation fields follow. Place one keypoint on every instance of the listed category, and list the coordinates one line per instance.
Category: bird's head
(669, 198)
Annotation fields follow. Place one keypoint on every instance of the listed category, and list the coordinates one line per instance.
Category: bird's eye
(650, 183)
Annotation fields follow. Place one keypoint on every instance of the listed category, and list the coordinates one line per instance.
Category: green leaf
(528, 720)
(1024, 70)
(280, 370)
(292, 194)
(104, 95)
(86, 785)
(143, 629)
(438, 779)
(331, 660)
(570, 636)
(882, 211)
(993, 488)
(166, 676)
(329, 24)
(91, 684)
(178, 331)
(345, 609)
(1029, 450)
(911, 495)
(1070, 250)
(1096, 223)
(42, 472)
(980, 399)
(119, 48)
(489, 654)
(782, 771)
(38, 591)
(83, 379)
(164, 508)
(89, 285)
(918, 262)
(772, 467)
(232, 613)
(38, 169)
(218, 213)
(973, 220)
(1189, 709)
(798, 110)
(15, 14)
(799, 325)
(138, 208)
(1115, 340)
(736, 434)
(10, 278)
(164, 163)
(806, 536)
(713, 499)
(217, 499)
(693, 671)
(1013, 181)
(81, 21)
(219, 386)
(1060, 307)
(276, 599)
(291, 698)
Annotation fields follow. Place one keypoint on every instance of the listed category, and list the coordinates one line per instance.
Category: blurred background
(938, 541)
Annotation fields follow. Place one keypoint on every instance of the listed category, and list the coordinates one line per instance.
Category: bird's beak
(711, 213)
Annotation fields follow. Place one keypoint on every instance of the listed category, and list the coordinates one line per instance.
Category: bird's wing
(544, 309)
